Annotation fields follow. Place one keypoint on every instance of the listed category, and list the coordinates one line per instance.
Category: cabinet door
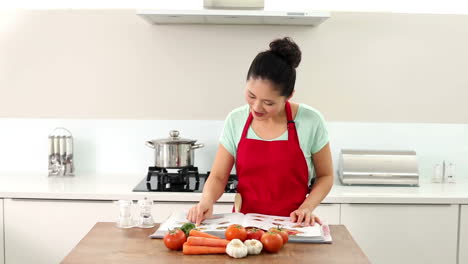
(393, 233)
(328, 213)
(463, 246)
(2, 253)
(45, 231)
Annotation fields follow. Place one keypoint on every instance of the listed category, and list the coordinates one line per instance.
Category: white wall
(111, 64)
(382, 80)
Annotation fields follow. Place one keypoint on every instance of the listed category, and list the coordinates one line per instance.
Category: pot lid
(174, 139)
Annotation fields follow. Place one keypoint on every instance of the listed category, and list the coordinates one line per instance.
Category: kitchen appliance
(234, 4)
(173, 152)
(378, 167)
(179, 180)
(234, 17)
(61, 161)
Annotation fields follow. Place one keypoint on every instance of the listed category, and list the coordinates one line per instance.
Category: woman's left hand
(304, 216)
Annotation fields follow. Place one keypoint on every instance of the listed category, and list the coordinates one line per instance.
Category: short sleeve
(227, 138)
(320, 135)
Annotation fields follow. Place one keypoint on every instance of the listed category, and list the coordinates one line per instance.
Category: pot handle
(149, 144)
(195, 146)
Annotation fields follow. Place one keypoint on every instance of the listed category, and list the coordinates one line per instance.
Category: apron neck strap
(288, 112)
(247, 125)
(292, 134)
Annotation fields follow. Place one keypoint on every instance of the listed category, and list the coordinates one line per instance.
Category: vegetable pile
(195, 242)
(239, 241)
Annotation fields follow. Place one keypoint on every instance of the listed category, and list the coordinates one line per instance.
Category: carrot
(197, 233)
(202, 250)
(204, 241)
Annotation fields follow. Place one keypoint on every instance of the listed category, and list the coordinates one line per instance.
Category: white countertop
(119, 186)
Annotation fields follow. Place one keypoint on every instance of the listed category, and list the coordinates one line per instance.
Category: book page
(266, 222)
(220, 222)
(216, 224)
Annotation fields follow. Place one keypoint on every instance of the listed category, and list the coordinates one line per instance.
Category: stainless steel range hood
(236, 17)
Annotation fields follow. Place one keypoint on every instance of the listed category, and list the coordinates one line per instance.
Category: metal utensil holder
(61, 153)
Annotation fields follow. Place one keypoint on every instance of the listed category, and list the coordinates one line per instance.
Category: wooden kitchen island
(106, 243)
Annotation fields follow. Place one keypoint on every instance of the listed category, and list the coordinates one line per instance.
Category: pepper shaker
(450, 173)
(145, 218)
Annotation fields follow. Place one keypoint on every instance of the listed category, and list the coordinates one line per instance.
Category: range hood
(235, 17)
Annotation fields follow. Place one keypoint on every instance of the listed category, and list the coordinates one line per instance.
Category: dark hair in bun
(288, 50)
(278, 64)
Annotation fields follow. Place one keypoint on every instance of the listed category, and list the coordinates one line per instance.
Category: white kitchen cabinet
(49, 229)
(2, 253)
(45, 231)
(463, 246)
(328, 213)
(397, 233)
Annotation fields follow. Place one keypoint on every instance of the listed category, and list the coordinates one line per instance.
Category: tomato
(236, 231)
(272, 242)
(254, 233)
(282, 232)
(175, 239)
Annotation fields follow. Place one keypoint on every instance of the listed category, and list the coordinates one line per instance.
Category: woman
(276, 145)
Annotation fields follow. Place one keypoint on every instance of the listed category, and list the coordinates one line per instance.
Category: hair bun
(288, 50)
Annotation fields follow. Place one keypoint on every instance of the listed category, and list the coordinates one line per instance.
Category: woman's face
(265, 102)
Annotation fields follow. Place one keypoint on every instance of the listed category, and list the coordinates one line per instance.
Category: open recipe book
(217, 224)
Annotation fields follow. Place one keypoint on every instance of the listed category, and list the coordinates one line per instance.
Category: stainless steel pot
(173, 152)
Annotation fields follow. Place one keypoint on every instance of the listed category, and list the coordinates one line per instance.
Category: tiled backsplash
(117, 146)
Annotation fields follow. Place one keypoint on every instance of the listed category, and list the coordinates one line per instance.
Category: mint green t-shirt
(310, 126)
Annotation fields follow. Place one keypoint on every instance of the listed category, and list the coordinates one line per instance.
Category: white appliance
(234, 4)
(378, 167)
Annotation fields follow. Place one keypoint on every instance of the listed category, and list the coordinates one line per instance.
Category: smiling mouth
(258, 114)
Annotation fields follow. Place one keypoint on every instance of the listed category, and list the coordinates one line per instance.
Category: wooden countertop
(106, 243)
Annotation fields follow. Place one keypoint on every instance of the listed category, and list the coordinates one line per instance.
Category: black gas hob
(179, 180)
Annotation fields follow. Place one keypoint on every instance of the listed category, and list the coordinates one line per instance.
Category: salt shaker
(145, 219)
(437, 175)
(125, 214)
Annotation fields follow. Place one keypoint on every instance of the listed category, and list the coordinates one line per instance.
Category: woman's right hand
(200, 212)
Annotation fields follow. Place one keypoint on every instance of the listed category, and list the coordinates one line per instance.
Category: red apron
(272, 175)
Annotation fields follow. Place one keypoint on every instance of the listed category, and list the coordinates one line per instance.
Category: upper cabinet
(234, 17)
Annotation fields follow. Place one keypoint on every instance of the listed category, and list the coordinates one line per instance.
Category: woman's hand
(200, 212)
(305, 216)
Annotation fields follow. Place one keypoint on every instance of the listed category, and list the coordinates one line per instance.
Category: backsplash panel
(118, 146)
